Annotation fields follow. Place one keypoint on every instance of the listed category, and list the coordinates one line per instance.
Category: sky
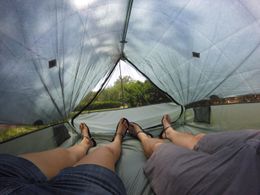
(127, 70)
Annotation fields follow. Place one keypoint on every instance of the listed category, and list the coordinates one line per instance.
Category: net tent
(54, 52)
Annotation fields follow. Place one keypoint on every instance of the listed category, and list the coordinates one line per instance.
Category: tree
(134, 93)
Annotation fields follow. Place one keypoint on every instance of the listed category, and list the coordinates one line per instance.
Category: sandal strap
(141, 131)
(167, 128)
(163, 132)
(119, 134)
(122, 135)
(91, 139)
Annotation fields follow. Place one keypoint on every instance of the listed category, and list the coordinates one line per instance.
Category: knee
(195, 139)
(156, 143)
(199, 136)
(109, 150)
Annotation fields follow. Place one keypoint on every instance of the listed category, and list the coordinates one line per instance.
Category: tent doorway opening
(125, 88)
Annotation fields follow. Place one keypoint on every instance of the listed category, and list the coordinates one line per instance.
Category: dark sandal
(90, 138)
(133, 134)
(163, 131)
(124, 119)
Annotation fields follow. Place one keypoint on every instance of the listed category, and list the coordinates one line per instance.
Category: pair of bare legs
(51, 162)
(150, 144)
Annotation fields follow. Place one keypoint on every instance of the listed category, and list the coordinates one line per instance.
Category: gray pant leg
(213, 142)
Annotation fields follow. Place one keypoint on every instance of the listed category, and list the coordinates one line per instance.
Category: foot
(134, 129)
(166, 122)
(121, 129)
(86, 134)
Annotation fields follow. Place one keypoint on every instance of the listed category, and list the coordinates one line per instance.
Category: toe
(131, 129)
(84, 130)
(122, 126)
(81, 126)
(166, 120)
(125, 123)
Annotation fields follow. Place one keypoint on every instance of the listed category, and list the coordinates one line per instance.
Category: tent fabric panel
(227, 117)
(226, 34)
(37, 141)
(83, 37)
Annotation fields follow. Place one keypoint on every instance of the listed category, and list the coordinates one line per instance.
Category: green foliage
(143, 93)
(135, 93)
(11, 132)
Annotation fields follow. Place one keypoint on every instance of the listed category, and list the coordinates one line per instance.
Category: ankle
(87, 141)
(169, 132)
(119, 136)
(141, 135)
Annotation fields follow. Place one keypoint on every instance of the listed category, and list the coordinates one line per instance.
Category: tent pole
(127, 18)
(122, 86)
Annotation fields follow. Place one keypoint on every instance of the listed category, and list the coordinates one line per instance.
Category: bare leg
(51, 162)
(149, 144)
(107, 155)
(181, 139)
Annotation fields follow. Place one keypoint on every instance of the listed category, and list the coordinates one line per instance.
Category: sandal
(134, 134)
(89, 137)
(164, 129)
(122, 135)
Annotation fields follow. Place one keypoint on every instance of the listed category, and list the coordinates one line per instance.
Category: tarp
(87, 38)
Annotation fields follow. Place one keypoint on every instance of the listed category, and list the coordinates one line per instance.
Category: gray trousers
(221, 164)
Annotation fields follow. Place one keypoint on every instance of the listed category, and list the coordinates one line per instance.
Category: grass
(15, 132)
